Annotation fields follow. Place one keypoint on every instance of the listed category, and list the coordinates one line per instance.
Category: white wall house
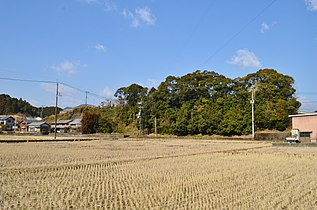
(7, 122)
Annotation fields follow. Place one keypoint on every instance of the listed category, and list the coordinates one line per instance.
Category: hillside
(9, 106)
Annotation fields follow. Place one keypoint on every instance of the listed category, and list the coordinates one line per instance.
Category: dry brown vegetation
(157, 174)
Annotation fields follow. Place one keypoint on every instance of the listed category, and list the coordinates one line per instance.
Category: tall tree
(90, 122)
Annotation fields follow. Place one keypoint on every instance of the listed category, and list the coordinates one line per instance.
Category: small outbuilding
(306, 123)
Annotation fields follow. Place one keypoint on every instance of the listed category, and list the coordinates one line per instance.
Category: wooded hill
(207, 103)
(9, 106)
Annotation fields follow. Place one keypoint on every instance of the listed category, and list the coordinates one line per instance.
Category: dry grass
(45, 137)
(157, 174)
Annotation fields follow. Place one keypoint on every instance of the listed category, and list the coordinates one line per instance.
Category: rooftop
(304, 114)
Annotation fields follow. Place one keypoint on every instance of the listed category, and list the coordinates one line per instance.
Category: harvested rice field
(157, 174)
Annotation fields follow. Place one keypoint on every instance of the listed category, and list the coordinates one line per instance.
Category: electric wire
(238, 33)
(55, 82)
(27, 80)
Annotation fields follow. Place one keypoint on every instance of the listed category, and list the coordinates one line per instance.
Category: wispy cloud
(107, 92)
(67, 66)
(267, 26)
(63, 90)
(140, 16)
(311, 4)
(91, 1)
(145, 15)
(67, 96)
(245, 58)
(100, 48)
(264, 27)
(108, 5)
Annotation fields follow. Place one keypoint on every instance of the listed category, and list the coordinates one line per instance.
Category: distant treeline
(10, 105)
(202, 102)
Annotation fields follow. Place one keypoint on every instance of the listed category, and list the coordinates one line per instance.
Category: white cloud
(135, 21)
(67, 66)
(145, 15)
(311, 4)
(264, 27)
(108, 5)
(245, 58)
(140, 16)
(100, 48)
(153, 83)
(107, 92)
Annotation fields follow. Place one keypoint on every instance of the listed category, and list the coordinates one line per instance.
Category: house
(24, 124)
(7, 123)
(39, 127)
(75, 125)
(62, 126)
(306, 123)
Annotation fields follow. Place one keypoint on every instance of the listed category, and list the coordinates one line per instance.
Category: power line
(194, 29)
(306, 93)
(27, 80)
(238, 32)
(83, 91)
(54, 82)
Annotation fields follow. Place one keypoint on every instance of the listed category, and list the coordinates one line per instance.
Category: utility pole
(86, 102)
(55, 131)
(155, 126)
(253, 89)
(252, 103)
(139, 115)
(42, 111)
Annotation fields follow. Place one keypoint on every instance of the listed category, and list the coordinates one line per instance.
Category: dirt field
(157, 174)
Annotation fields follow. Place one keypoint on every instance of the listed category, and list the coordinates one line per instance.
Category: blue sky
(102, 45)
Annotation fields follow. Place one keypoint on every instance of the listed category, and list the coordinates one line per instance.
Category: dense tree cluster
(202, 102)
(205, 102)
(10, 105)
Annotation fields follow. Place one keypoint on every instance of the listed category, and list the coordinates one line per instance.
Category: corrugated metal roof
(28, 121)
(76, 121)
(62, 122)
(35, 124)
